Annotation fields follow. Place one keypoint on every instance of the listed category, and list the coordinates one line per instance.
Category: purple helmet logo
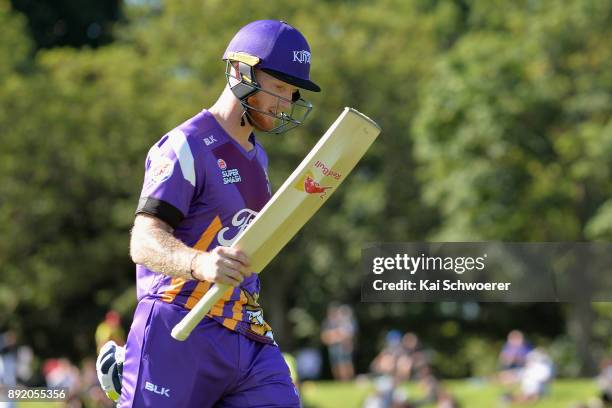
(303, 57)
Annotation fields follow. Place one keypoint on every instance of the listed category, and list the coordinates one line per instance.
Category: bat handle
(183, 329)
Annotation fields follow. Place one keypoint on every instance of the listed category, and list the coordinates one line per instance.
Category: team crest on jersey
(222, 164)
(161, 169)
(256, 317)
(253, 310)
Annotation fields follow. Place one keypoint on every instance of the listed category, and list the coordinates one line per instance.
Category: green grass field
(329, 394)
(563, 394)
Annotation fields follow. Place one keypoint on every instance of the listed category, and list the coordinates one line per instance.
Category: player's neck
(228, 113)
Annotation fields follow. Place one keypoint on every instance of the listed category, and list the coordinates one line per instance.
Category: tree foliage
(514, 131)
(496, 125)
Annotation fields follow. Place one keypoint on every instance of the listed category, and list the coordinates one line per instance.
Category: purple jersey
(206, 186)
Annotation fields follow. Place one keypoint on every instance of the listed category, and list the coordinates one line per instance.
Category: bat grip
(183, 329)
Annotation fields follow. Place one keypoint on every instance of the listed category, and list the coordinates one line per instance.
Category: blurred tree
(511, 138)
(96, 113)
(73, 134)
(14, 49)
(70, 22)
(514, 131)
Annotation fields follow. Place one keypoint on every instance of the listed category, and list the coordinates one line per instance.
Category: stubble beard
(259, 120)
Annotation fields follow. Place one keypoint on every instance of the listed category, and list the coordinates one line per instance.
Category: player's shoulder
(201, 132)
(191, 139)
(187, 145)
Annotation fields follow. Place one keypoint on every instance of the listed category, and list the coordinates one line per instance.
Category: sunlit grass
(473, 394)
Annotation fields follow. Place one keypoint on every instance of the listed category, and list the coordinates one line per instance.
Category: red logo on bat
(312, 187)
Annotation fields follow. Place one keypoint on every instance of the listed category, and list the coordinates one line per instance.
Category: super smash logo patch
(161, 169)
(230, 176)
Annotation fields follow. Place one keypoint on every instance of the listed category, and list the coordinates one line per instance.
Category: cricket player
(204, 182)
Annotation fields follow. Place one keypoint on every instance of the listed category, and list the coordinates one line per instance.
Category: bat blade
(301, 195)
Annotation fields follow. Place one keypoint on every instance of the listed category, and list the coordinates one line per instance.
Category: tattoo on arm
(153, 245)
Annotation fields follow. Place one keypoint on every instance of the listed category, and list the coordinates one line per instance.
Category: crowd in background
(19, 367)
(338, 333)
(498, 124)
(525, 372)
(403, 359)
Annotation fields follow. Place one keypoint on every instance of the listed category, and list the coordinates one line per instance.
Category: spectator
(8, 361)
(400, 357)
(411, 359)
(386, 395)
(604, 382)
(385, 363)
(434, 392)
(308, 364)
(512, 358)
(338, 332)
(60, 373)
(92, 396)
(515, 351)
(534, 378)
(110, 329)
(410, 343)
(24, 364)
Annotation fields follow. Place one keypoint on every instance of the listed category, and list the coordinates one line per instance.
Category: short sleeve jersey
(206, 186)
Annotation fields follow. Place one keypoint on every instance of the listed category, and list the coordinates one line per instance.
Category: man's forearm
(160, 251)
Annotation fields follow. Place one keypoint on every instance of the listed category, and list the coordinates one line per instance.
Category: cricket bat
(295, 202)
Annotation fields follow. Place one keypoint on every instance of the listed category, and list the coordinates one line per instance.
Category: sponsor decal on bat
(308, 185)
(327, 171)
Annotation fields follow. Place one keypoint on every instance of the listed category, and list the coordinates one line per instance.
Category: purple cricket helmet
(276, 48)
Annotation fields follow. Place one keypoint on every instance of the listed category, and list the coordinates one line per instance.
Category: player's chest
(235, 180)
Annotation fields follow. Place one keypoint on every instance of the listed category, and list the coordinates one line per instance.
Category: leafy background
(497, 126)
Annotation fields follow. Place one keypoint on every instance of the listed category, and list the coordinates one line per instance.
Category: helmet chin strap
(246, 115)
